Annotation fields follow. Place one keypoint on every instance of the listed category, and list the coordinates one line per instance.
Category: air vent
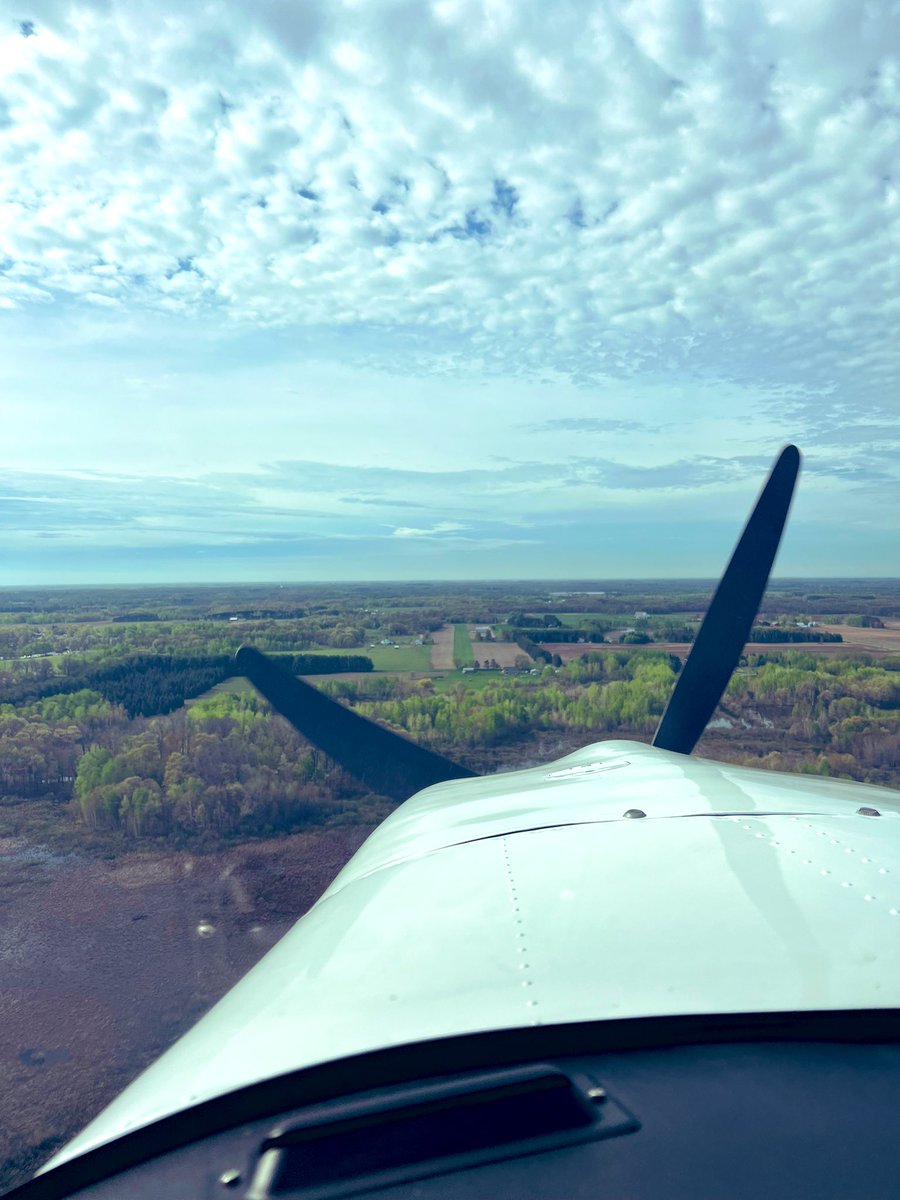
(429, 1128)
(584, 770)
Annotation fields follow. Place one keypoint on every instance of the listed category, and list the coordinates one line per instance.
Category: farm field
(474, 681)
(579, 620)
(503, 653)
(398, 658)
(873, 648)
(462, 647)
(442, 649)
(568, 651)
(873, 641)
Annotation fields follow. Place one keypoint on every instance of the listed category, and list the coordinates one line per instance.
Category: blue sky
(383, 289)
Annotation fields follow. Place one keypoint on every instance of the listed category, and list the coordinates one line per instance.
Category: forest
(145, 685)
(121, 723)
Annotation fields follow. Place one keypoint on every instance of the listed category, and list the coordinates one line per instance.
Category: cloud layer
(686, 214)
(656, 170)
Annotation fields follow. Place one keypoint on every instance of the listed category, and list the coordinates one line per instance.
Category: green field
(385, 659)
(402, 657)
(462, 647)
(474, 681)
(236, 684)
(8, 664)
(399, 658)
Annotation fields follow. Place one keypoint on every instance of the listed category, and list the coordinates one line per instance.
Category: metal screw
(634, 813)
(597, 1094)
(230, 1179)
(868, 812)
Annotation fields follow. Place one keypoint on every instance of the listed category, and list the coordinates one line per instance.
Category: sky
(466, 289)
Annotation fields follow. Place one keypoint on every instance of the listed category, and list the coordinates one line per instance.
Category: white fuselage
(532, 898)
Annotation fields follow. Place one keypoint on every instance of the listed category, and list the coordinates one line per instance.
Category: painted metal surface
(531, 898)
(597, 783)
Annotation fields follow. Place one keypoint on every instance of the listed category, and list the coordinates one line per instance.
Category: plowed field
(442, 649)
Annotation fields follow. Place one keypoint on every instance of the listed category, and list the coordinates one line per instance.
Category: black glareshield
(381, 759)
(730, 616)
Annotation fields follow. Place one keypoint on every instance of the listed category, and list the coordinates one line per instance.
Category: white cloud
(678, 166)
(655, 231)
(442, 527)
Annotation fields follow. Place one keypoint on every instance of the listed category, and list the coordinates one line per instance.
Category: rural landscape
(160, 828)
(442, 297)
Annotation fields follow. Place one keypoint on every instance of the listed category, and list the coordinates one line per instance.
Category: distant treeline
(556, 634)
(324, 664)
(152, 685)
(774, 634)
(531, 647)
(257, 614)
(537, 636)
(522, 620)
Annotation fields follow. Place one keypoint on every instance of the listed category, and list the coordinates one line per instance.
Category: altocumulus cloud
(612, 176)
(615, 195)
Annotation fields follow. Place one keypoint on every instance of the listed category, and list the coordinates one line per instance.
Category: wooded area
(115, 737)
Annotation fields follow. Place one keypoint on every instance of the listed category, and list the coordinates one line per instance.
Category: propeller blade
(729, 618)
(384, 761)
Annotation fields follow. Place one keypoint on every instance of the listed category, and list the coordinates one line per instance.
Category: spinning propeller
(394, 766)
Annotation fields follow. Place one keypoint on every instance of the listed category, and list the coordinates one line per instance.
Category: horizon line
(482, 581)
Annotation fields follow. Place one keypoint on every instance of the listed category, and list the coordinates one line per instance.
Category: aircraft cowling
(620, 881)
